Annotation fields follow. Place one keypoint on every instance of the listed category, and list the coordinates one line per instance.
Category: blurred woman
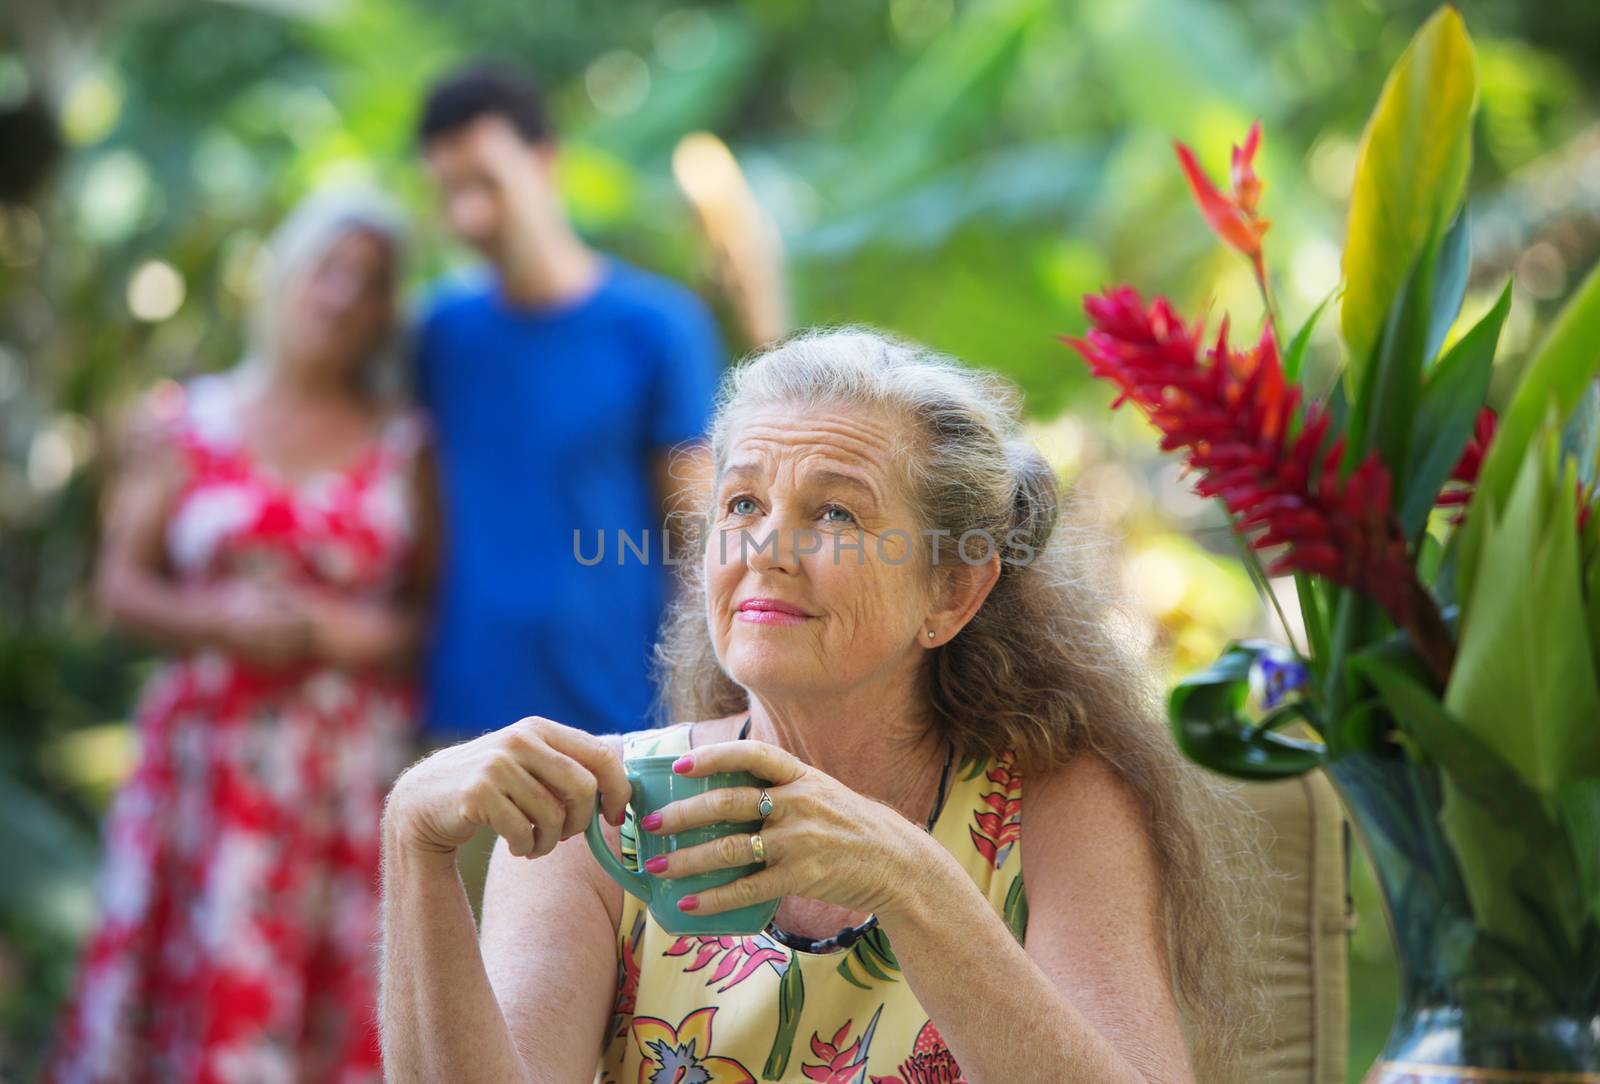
(270, 527)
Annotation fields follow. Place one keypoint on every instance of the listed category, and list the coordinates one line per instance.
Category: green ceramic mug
(656, 785)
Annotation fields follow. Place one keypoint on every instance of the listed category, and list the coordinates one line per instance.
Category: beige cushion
(1304, 941)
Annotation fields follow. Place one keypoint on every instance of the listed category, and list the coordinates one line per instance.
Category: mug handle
(631, 880)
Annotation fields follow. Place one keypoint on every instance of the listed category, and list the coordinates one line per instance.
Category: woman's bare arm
(549, 942)
(440, 1019)
(529, 1001)
(1091, 995)
(133, 586)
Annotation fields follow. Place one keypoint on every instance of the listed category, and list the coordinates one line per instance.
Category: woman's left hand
(822, 840)
(358, 633)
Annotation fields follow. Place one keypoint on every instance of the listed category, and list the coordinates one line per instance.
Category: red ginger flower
(741, 957)
(1471, 461)
(1467, 467)
(999, 826)
(840, 1064)
(1239, 424)
(1232, 216)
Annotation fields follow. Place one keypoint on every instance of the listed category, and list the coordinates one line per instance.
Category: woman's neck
(295, 380)
(867, 740)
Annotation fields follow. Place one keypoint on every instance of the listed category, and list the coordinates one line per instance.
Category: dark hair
(483, 88)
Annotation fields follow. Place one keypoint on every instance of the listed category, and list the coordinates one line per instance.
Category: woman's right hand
(262, 625)
(533, 782)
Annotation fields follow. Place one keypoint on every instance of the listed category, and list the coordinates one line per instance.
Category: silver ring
(758, 847)
(764, 807)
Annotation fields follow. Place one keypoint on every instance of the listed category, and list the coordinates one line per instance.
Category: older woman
(850, 635)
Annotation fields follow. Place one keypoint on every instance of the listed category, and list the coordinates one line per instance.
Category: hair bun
(1035, 495)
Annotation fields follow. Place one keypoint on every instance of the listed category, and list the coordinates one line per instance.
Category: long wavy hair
(1045, 668)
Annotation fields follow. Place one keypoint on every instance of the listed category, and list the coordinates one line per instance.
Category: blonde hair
(1041, 668)
(304, 238)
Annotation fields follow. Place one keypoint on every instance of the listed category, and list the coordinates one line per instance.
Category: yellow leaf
(1410, 175)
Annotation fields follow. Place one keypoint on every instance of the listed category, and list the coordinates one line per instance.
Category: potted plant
(1445, 555)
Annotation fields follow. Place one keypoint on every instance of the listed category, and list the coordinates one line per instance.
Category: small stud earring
(930, 634)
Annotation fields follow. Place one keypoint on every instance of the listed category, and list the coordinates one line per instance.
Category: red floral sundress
(238, 934)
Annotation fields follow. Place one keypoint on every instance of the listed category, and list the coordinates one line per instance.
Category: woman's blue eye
(848, 518)
(734, 506)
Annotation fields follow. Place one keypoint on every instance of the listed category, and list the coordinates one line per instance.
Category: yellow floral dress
(734, 1010)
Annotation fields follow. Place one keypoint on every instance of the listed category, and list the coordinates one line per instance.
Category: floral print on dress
(999, 819)
(238, 892)
(790, 1015)
(740, 956)
(930, 1062)
(627, 980)
(682, 1054)
(841, 1064)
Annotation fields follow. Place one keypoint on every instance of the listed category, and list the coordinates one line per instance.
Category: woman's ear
(963, 587)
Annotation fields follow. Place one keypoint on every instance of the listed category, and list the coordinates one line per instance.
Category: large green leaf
(1444, 739)
(1313, 616)
(1205, 709)
(874, 956)
(1519, 879)
(1449, 283)
(1294, 358)
(1580, 813)
(1016, 911)
(1592, 590)
(1523, 885)
(1451, 398)
(1386, 401)
(791, 1003)
(1559, 372)
(1524, 677)
(1410, 174)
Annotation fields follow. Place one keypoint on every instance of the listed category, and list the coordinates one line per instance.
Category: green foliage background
(958, 172)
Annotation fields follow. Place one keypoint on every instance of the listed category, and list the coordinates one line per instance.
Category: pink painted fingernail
(658, 864)
(683, 764)
(651, 822)
(688, 903)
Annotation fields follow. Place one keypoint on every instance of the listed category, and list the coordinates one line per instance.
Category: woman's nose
(339, 292)
(776, 544)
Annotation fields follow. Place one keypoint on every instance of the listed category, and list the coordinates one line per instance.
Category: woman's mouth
(770, 611)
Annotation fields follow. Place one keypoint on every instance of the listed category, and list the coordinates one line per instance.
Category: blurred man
(559, 379)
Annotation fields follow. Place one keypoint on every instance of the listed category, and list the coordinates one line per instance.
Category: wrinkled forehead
(824, 439)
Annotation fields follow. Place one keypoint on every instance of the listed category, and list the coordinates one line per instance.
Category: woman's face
(810, 516)
(342, 307)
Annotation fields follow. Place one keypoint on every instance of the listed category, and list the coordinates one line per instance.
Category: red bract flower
(1467, 467)
(741, 957)
(1471, 462)
(627, 980)
(1242, 171)
(840, 1064)
(1239, 424)
(1232, 216)
(999, 824)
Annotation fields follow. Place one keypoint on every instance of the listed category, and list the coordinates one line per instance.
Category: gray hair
(303, 239)
(1042, 669)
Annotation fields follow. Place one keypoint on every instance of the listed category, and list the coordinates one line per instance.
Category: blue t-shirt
(546, 421)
